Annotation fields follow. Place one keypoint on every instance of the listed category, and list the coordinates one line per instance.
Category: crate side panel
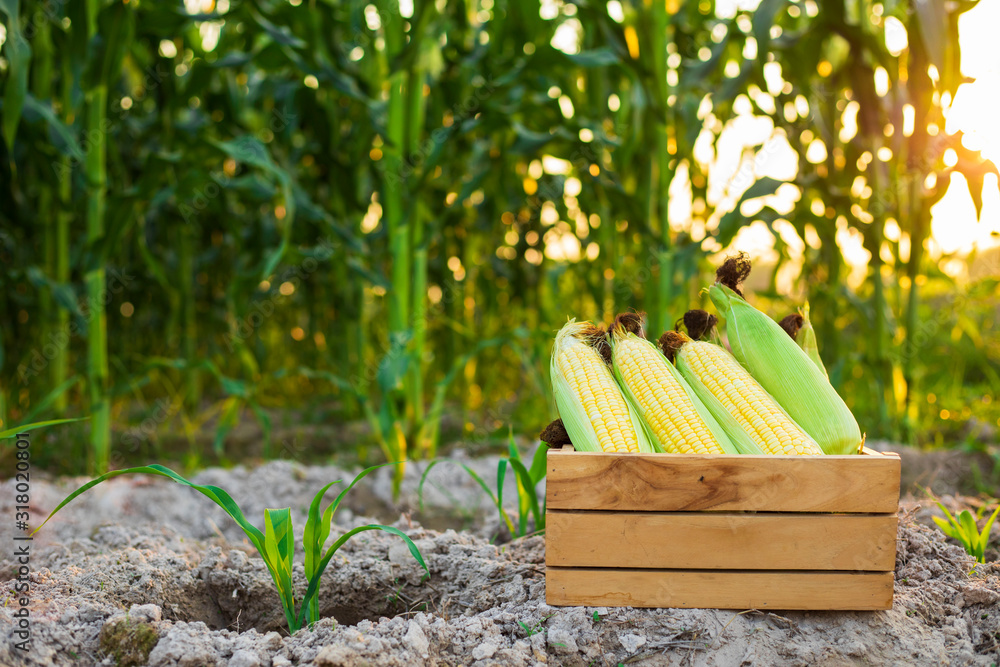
(721, 540)
(702, 589)
(673, 482)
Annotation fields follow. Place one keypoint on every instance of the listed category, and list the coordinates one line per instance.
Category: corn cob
(594, 412)
(734, 396)
(782, 367)
(677, 419)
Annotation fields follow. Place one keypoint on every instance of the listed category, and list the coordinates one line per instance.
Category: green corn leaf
(11, 432)
(18, 54)
(219, 496)
(279, 543)
(538, 464)
(527, 497)
(313, 587)
(947, 528)
(501, 477)
(316, 531)
(970, 533)
(280, 34)
(62, 136)
(361, 475)
(264, 420)
(230, 416)
(984, 536)
(313, 537)
(512, 452)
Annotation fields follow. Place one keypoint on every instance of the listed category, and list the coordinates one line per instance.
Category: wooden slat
(704, 589)
(680, 482)
(873, 452)
(721, 540)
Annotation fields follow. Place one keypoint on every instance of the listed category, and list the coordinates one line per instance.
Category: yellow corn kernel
(661, 400)
(744, 399)
(592, 383)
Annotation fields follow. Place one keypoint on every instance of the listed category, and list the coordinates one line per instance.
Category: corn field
(215, 213)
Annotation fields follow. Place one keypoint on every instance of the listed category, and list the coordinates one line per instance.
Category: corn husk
(787, 373)
(718, 432)
(807, 340)
(570, 405)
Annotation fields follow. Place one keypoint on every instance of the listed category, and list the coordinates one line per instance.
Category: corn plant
(527, 480)
(964, 529)
(276, 544)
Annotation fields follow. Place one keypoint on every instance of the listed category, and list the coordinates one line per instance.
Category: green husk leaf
(807, 340)
(788, 374)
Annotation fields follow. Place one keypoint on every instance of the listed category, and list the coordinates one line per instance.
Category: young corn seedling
(276, 544)
(527, 481)
(964, 529)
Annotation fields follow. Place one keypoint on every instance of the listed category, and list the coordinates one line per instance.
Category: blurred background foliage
(249, 228)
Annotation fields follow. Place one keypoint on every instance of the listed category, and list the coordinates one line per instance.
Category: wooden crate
(725, 532)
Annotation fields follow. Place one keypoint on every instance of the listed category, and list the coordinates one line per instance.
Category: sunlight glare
(568, 36)
(895, 36)
(954, 224)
